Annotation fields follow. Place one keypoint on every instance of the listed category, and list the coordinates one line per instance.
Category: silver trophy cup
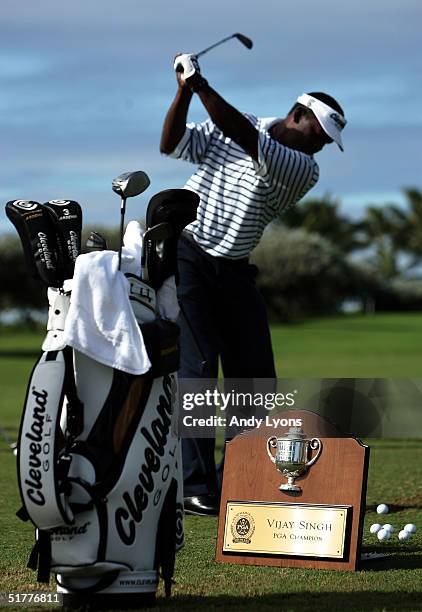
(292, 455)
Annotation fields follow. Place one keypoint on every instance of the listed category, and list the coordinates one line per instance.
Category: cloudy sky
(85, 86)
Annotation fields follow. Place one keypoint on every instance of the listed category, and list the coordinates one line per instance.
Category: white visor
(330, 120)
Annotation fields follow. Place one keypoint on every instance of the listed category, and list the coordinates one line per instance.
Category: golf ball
(382, 509)
(403, 535)
(410, 528)
(388, 527)
(383, 534)
(375, 527)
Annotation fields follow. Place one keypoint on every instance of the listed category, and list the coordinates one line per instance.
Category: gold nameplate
(303, 530)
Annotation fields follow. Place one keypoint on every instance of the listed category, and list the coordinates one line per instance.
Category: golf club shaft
(220, 42)
(122, 221)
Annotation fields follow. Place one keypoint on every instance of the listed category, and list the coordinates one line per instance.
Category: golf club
(96, 242)
(128, 185)
(155, 234)
(240, 37)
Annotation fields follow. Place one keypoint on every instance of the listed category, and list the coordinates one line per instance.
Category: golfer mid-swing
(249, 171)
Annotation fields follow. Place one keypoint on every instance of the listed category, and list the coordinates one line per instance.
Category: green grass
(372, 346)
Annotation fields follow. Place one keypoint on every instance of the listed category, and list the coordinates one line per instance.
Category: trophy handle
(271, 443)
(315, 443)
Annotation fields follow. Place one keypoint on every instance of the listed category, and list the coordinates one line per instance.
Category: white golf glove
(187, 64)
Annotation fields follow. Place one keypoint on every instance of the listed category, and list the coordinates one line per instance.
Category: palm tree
(321, 216)
(407, 233)
(379, 229)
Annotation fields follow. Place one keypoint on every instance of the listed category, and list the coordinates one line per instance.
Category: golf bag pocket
(128, 515)
(40, 465)
(161, 339)
(79, 545)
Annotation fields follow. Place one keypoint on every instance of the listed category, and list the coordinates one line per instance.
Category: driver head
(130, 184)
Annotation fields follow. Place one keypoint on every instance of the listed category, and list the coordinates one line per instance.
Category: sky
(85, 85)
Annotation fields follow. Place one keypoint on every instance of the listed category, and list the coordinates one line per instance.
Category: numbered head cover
(39, 241)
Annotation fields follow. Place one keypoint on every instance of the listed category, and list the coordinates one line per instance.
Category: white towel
(100, 322)
(132, 249)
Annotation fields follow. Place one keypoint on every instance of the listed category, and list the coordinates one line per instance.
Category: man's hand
(186, 66)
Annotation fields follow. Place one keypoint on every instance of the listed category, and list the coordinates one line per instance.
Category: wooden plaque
(252, 503)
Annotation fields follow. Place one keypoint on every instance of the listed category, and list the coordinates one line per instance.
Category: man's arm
(175, 122)
(231, 122)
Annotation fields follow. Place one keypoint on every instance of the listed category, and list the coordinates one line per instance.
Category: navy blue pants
(229, 319)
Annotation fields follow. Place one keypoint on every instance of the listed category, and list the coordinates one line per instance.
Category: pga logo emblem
(25, 204)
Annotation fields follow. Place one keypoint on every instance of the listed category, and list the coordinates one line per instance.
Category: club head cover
(39, 240)
(66, 216)
(178, 208)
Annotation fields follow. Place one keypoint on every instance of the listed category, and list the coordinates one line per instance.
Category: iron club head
(240, 37)
(96, 242)
(244, 40)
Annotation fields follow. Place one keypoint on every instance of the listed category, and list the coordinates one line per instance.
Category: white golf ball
(382, 509)
(403, 535)
(389, 527)
(375, 527)
(410, 528)
(383, 534)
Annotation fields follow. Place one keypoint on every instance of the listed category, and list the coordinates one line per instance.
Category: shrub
(303, 274)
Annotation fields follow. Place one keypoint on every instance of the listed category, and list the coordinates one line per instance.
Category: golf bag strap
(42, 464)
(75, 408)
(165, 549)
(59, 302)
(40, 557)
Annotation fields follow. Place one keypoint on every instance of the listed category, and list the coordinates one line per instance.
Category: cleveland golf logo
(36, 448)
(137, 502)
(72, 530)
(25, 204)
(46, 255)
(72, 245)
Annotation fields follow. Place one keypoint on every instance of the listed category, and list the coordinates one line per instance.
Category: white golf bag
(99, 464)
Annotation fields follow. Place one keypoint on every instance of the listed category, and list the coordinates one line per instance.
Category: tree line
(315, 258)
(311, 260)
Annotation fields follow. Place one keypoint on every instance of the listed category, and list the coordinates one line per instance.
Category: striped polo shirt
(240, 196)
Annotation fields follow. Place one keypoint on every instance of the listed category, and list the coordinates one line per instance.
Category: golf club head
(130, 184)
(175, 206)
(158, 233)
(96, 242)
(150, 260)
(240, 37)
(178, 208)
(244, 40)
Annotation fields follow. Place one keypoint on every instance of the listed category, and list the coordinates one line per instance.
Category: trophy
(291, 455)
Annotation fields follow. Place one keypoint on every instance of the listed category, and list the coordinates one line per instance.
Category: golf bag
(99, 464)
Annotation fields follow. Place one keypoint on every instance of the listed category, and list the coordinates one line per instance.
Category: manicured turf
(379, 346)
(373, 346)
